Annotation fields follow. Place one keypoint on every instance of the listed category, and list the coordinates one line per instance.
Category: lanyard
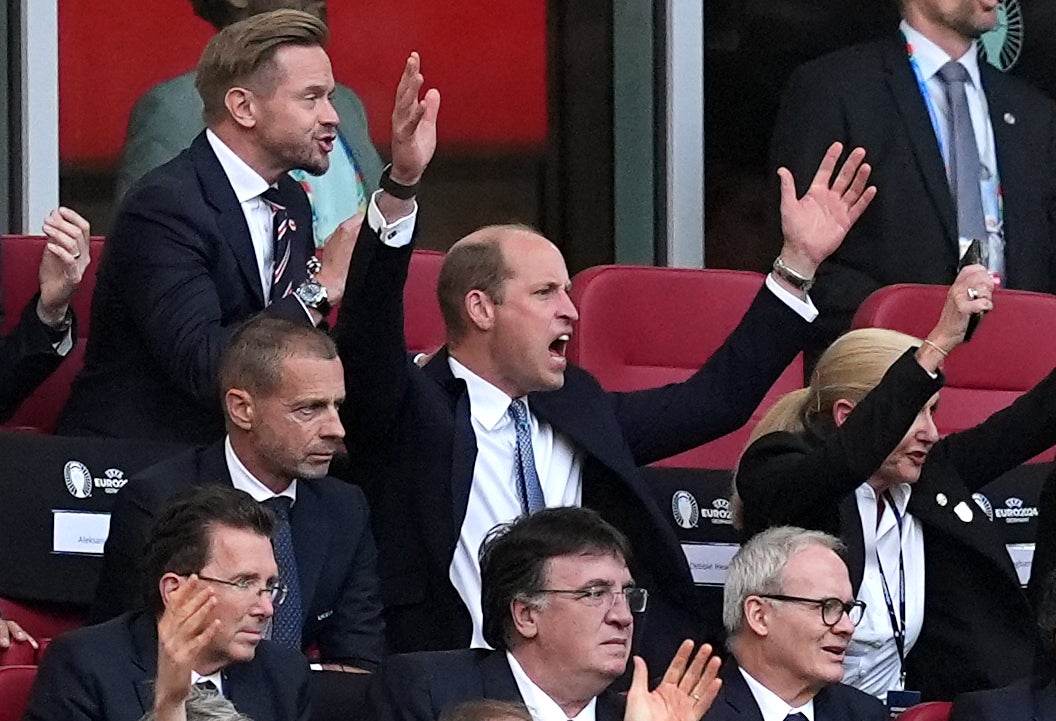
(898, 623)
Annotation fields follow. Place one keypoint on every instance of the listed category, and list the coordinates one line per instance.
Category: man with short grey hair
(789, 612)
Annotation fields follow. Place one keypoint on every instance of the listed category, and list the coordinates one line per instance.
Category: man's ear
(524, 618)
(757, 615)
(841, 409)
(240, 408)
(480, 309)
(168, 585)
(241, 106)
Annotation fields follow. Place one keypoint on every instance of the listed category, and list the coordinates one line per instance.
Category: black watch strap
(396, 190)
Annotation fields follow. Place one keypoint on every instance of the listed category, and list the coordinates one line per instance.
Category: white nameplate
(1022, 558)
(709, 562)
(79, 532)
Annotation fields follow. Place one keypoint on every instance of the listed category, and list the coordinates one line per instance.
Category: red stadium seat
(1009, 354)
(19, 262)
(422, 322)
(929, 711)
(16, 682)
(641, 327)
(18, 654)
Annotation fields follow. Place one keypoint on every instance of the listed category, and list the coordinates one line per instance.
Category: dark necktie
(795, 717)
(207, 687)
(286, 623)
(965, 168)
(281, 273)
(528, 486)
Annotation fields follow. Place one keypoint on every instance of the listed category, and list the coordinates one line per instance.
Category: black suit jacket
(410, 436)
(106, 673)
(332, 541)
(1031, 698)
(27, 357)
(177, 277)
(421, 686)
(833, 703)
(868, 96)
(978, 628)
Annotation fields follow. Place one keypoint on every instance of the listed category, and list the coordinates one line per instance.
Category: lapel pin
(1010, 118)
(941, 499)
(963, 512)
(293, 226)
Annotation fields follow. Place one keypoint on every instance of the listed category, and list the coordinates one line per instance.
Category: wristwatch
(312, 293)
(396, 190)
(796, 280)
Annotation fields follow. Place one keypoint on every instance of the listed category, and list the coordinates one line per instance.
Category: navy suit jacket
(409, 434)
(868, 96)
(332, 541)
(1030, 698)
(27, 357)
(177, 277)
(106, 673)
(837, 702)
(421, 686)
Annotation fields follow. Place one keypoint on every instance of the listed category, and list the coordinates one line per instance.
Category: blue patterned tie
(286, 623)
(528, 486)
(281, 273)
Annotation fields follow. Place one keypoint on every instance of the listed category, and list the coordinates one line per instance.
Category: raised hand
(413, 125)
(972, 292)
(684, 694)
(184, 630)
(66, 255)
(816, 224)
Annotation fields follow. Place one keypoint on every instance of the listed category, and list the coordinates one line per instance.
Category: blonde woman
(857, 454)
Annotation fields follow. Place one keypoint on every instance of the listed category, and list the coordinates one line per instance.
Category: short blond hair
(243, 55)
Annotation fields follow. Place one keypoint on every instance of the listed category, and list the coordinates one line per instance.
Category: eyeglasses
(637, 598)
(832, 609)
(275, 591)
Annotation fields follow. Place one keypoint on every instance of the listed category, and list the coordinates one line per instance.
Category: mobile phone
(972, 256)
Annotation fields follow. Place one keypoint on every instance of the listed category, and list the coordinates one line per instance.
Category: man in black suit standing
(559, 610)
(215, 236)
(897, 97)
(210, 568)
(789, 611)
(282, 384)
(499, 424)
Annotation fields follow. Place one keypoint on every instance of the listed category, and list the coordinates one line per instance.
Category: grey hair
(758, 566)
(205, 706)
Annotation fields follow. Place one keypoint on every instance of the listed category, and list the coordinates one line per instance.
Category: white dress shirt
(246, 482)
(217, 678)
(493, 496)
(872, 664)
(771, 706)
(541, 706)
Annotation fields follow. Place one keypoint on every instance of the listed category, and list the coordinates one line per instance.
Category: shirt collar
(245, 181)
(246, 482)
(217, 677)
(541, 706)
(930, 57)
(487, 404)
(770, 704)
(900, 493)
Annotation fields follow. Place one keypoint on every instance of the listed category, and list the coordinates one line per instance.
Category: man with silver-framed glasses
(559, 607)
(214, 586)
(789, 613)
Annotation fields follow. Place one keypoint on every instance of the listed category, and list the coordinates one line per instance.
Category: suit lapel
(902, 82)
(497, 678)
(311, 529)
(1014, 153)
(735, 698)
(145, 656)
(851, 521)
(230, 218)
(464, 446)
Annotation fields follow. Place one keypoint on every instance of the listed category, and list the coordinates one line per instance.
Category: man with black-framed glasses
(213, 587)
(789, 612)
(559, 606)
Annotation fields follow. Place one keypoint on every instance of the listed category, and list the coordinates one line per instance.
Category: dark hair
(514, 559)
(181, 539)
(253, 359)
(243, 54)
(221, 13)
(486, 709)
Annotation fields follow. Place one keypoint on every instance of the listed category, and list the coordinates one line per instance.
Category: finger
(861, 179)
(19, 634)
(5, 635)
(63, 240)
(639, 678)
(55, 227)
(74, 217)
(828, 164)
(706, 693)
(848, 171)
(677, 668)
(696, 668)
(64, 256)
(431, 101)
(856, 210)
(788, 186)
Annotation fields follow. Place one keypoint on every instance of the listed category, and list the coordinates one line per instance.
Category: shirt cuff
(397, 234)
(64, 346)
(804, 308)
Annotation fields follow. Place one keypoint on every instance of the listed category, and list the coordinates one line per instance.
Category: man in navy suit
(439, 452)
(282, 384)
(789, 611)
(219, 234)
(211, 570)
(559, 610)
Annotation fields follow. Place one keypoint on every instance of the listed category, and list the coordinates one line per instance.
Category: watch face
(312, 293)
